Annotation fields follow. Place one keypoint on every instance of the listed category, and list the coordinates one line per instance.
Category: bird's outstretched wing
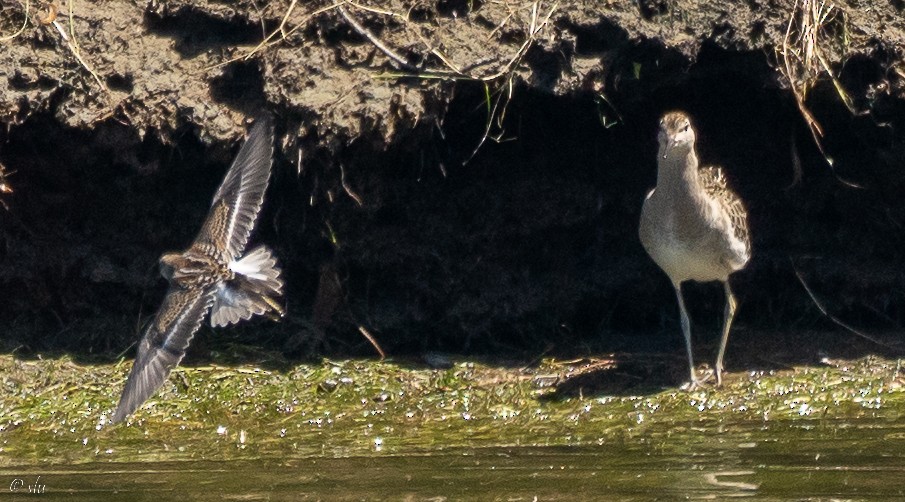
(238, 201)
(164, 344)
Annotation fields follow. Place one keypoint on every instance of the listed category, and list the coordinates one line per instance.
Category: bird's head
(676, 134)
(169, 264)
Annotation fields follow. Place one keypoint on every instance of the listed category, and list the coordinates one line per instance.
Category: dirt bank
(120, 119)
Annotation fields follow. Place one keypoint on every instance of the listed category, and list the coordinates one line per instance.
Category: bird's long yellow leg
(686, 330)
(275, 306)
(727, 323)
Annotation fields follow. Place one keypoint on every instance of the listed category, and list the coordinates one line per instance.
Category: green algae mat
(353, 430)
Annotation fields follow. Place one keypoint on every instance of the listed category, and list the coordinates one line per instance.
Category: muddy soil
(389, 210)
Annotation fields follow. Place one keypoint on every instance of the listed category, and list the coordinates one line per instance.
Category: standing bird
(215, 274)
(693, 225)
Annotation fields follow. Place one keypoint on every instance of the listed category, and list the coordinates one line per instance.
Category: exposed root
(280, 33)
(49, 16)
(73, 45)
(358, 27)
(498, 82)
(503, 78)
(832, 317)
(802, 61)
(351, 193)
(20, 30)
(5, 187)
(364, 332)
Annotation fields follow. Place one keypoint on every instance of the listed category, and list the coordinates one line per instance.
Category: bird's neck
(677, 173)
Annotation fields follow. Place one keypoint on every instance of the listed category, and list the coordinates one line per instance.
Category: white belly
(682, 262)
(702, 254)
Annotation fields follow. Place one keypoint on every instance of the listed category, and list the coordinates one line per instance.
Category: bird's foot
(692, 385)
(697, 383)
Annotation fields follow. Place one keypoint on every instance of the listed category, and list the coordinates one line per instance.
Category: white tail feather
(253, 290)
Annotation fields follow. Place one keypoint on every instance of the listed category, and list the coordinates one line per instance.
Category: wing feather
(236, 204)
(164, 344)
(716, 186)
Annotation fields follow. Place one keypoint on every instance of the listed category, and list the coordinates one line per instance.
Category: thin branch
(830, 316)
(533, 31)
(390, 53)
(537, 359)
(347, 188)
(280, 30)
(370, 338)
(797, 171)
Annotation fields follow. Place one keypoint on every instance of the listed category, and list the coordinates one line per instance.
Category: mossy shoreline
(57, 411)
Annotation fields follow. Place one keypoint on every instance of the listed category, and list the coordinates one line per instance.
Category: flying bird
(215, 274)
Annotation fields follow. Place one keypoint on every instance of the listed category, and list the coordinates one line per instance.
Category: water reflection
(754, 461)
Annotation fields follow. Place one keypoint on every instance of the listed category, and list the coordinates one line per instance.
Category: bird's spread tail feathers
(253, 291)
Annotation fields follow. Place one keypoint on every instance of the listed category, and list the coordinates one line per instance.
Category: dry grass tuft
(47, 13)
(813, 27)
(496, 73)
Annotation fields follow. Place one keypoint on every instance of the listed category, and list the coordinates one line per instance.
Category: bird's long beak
(667, 147)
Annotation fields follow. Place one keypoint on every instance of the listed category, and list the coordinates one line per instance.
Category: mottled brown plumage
(717, 188)
(693, 225)
(215, 274)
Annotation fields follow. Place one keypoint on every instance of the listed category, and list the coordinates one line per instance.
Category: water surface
(813, 460)
(365, 430)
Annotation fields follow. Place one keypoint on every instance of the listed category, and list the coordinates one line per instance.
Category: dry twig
(20, 30)
(5, 187)
(280, 30)
(802, 61)
(830, 316)
(364, 332)
(74, 48)
(358, 27)
(347, 188)
(501, 78)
